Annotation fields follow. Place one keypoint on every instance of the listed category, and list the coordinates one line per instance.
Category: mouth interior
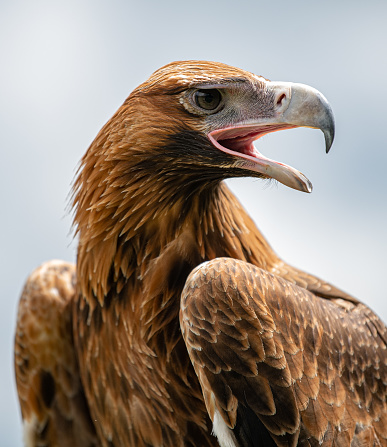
(239, 140)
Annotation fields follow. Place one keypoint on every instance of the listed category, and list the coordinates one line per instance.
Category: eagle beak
(292, 105)
(300, 105)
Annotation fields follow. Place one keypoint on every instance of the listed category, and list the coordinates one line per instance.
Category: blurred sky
(66, 66)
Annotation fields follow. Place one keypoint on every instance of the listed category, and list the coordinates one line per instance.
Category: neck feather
(133, 203)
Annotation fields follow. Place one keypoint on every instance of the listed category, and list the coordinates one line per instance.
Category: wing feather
(53, 405)
(308, 367)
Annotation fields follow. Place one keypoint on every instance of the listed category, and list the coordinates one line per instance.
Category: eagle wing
(272, 357)
(52, 402)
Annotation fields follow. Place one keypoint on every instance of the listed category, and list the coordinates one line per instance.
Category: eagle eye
(208, 99)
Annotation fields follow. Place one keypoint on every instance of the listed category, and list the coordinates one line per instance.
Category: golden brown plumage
(316, 372)
(263, 353)
(50, 391)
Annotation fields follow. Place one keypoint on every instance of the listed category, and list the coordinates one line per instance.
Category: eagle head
(205, 117)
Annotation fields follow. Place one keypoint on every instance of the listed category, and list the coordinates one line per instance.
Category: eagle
(179, 325)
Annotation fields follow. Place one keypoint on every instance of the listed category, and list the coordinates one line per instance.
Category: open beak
(294, 105)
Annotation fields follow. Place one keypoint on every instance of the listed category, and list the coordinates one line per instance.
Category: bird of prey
(179, 325)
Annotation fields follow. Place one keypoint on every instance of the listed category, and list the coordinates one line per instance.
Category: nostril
(281, 98)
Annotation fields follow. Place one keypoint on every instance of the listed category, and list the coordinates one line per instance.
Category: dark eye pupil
(208, 99)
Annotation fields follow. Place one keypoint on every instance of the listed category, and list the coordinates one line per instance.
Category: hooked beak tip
(329, 137)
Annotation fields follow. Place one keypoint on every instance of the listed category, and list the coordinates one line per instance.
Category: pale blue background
(66, 66)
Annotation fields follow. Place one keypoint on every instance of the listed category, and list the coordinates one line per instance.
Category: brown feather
(52, 400)
(339, 404)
